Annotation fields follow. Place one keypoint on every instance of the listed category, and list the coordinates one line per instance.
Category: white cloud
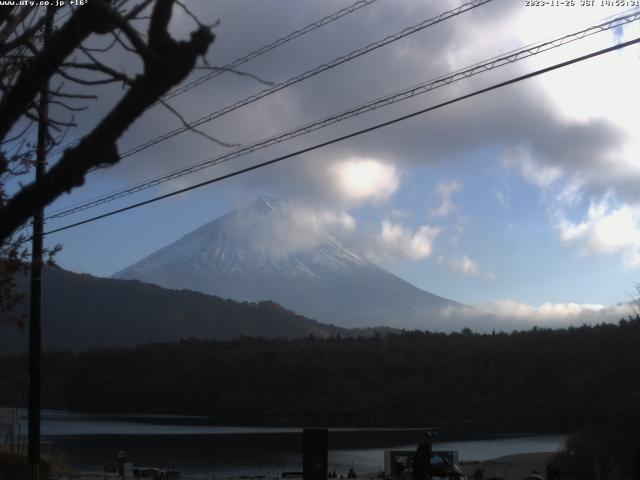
(293, 228)
(398, 213)
(571, 192)
(511, 314)
(461, 264)
(594, 173)
(364, 179)
(398, 241)
(554, 117)
(532, 171)
(445, 192)
(502, 199)
(609, 229)
(465, 265)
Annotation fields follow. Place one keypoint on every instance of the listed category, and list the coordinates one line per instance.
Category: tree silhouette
(68, 68)
(27, 69)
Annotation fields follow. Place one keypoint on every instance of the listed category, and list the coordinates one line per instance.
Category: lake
(198, 448)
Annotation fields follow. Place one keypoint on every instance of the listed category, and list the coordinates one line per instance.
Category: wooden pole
(35, 331)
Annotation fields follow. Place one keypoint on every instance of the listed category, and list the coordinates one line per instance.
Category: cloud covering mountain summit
(271, 250)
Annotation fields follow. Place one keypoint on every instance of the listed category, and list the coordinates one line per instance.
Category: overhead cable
(408, 93)
(267, 48)
(353, 134)
(254, 54)
(308, 74)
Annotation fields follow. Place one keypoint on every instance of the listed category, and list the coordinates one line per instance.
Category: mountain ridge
(83, 312)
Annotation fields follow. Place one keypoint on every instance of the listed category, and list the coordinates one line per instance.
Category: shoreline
(516, 466)
(520, 465)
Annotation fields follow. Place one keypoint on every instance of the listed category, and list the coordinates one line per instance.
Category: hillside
(82, 312)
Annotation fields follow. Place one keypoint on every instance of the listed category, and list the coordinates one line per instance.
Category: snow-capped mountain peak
(263, 251)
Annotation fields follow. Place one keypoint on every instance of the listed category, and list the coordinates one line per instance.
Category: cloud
(462, 264)
(590, 178)
(534, 122)
(364, 179)
(465, 265)
(292, 228)
(445, 192)
(554, 140)
(509, 314)
(399, 213)
(609, 229)
(538, 174)
(502, 199)
(397, 241)
(617, 73)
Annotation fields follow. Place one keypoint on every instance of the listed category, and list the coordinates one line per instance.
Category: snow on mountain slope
(242, 256)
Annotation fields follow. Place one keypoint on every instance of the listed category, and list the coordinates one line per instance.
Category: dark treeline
(546, 379)
(608, 445)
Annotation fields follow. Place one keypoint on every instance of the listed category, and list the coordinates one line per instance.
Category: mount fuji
(327, 282)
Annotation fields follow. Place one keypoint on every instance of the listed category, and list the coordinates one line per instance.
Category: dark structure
(422, 460)
(315, 454)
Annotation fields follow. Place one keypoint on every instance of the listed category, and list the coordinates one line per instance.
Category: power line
(475, 69)
(250, 56)
(309, 73)
(494, 62)
(267, 48)
(353, 134)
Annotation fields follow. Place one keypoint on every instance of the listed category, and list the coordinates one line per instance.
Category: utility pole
(35, 335)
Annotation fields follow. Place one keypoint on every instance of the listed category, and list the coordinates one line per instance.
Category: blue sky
(522, 198)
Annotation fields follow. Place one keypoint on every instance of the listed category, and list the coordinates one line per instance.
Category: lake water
(198, 449)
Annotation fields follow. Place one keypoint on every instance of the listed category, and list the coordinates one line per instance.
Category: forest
(553, 380)
(582, 380)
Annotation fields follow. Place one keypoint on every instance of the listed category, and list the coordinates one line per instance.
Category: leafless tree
(68, 67)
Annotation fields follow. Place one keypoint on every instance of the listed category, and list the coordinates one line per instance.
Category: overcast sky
(523, 201)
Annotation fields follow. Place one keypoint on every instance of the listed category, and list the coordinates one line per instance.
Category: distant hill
(82, 312)
(329, 282)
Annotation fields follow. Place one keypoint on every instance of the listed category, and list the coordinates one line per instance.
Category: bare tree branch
(73, 95)
(137, 9)
(236, 72)
(67, 106)
(24, 36)
(13, 22)
(166, 63)
(195, 130)
(43, 64)
(82, 81)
